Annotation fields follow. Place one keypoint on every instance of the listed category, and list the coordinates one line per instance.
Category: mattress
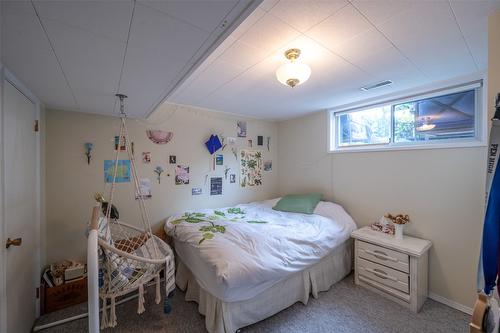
(252, 247)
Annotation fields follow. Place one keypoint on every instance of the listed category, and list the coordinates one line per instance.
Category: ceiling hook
(122, 106)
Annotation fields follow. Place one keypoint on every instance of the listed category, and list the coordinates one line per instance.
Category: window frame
(478, 140)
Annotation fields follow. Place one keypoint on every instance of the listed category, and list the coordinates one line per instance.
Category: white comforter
(236, 256)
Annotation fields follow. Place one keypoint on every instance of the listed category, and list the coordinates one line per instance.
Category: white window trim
(479, 140)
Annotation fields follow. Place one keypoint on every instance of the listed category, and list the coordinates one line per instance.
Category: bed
(245, 263)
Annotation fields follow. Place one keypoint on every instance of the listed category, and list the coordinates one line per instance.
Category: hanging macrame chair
(130, 256)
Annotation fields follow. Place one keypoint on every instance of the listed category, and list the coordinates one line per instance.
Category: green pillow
(298, 203)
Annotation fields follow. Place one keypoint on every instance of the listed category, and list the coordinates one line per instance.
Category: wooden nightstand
(396, 269)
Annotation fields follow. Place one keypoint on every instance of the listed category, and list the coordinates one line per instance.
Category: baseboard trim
(450, 303)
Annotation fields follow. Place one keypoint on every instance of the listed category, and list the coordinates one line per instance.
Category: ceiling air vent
(377, 85)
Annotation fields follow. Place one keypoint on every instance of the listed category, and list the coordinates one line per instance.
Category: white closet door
(20, 197)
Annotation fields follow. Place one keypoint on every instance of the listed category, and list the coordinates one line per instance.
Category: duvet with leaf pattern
(237, 252)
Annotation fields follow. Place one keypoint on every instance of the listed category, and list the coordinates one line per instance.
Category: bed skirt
(228, 317)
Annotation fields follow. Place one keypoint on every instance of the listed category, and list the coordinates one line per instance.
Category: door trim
(3, 275)
(7, 76)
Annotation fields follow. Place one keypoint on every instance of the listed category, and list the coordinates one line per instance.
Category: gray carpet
(345, 308)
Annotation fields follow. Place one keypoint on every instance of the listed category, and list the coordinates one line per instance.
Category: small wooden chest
(59, 297)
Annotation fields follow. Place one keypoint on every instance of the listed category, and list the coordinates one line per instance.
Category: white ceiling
(75, 55)
(348, 44)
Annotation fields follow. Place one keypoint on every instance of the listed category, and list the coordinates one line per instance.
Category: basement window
(445, 118)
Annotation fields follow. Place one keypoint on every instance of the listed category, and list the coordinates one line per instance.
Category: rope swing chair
(129, 256)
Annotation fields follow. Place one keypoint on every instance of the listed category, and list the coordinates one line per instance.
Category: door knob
(14, 242)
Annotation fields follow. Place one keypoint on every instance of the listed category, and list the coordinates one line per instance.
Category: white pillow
(335, 212)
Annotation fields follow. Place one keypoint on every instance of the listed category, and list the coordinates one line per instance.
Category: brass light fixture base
(292, 54)
(293, 72)
(292, 82)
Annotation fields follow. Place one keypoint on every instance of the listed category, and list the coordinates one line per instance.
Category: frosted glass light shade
(293, 73)
(425, 127)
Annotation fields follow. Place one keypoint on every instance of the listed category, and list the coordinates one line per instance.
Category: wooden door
(20, 208)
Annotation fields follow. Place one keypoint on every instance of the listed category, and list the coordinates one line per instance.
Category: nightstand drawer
(384, 275)
(383, 256)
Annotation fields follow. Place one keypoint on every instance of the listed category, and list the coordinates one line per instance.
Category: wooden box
(59, 297)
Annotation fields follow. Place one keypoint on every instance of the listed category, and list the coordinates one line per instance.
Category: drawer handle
(381, 255)
(381, 274)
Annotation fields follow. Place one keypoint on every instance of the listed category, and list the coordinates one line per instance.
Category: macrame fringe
(104, 320)
(112, 315)
(167, 307)
(140, 303)
(158, 293)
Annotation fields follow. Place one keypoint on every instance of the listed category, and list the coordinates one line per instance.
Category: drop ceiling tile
(473, 20)
(374, 54)
(27, 54)
(217, 74)
(239, 96)
(338, 76)
(104, 18)
(389, 64)
(242, 55)
(226, 43)
(267, 5)
(252, 19)
(145, 84)
(99, 102)
(380, 11)
(339, 28)
(19, 20)
(224, 47)
(429, 36)
(156, 55)
(91, 63)
(360, 47)
(302, 15)
(206, 15)
(268, 34)
(231, 97)
(157, 33)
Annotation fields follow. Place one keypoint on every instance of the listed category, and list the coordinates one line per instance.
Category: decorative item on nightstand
(383, 225)
(396, 269)
(399, 223)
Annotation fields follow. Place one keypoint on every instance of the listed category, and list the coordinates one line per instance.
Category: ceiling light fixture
(293, 73)
(426, 126)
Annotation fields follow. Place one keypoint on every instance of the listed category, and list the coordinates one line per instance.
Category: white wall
(71, 183)
(493, 60)
(442, 190)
